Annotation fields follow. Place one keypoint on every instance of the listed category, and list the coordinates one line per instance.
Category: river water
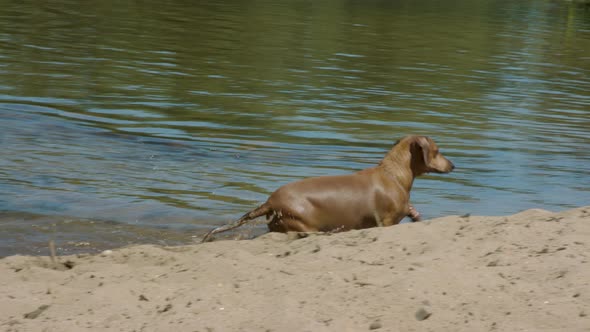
(152, 121)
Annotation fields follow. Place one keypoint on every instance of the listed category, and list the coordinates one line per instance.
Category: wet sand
(525, 272)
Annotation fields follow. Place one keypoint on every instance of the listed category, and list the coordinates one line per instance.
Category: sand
(526, 272)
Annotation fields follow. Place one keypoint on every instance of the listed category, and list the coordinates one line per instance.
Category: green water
(133, 122)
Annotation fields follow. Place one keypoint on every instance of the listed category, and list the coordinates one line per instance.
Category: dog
(377, 196)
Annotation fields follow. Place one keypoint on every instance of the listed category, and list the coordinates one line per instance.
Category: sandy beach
(525, 272)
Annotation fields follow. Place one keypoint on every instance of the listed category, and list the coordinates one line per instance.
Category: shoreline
(528, 271)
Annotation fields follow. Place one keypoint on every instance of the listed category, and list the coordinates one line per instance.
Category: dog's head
(426, 156)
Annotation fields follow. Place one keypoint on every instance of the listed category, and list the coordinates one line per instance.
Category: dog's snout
(452, 165)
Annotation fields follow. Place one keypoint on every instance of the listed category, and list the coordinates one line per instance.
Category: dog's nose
(452, 166)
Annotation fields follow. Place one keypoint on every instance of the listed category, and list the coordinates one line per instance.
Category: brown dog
(377, 196)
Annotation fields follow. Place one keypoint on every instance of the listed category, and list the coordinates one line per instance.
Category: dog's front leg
(414, 214)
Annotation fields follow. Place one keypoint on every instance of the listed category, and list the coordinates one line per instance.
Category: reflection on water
(163, 117)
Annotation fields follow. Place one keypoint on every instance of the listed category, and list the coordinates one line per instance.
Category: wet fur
(377, 196)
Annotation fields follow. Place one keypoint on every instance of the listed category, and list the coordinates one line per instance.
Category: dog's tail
(264, 209)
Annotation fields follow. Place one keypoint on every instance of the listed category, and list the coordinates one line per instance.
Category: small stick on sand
(52, 252)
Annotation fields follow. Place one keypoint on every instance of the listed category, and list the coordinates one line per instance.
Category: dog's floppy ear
(424, 145)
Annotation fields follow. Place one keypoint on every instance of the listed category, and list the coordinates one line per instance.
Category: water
(151, 122)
